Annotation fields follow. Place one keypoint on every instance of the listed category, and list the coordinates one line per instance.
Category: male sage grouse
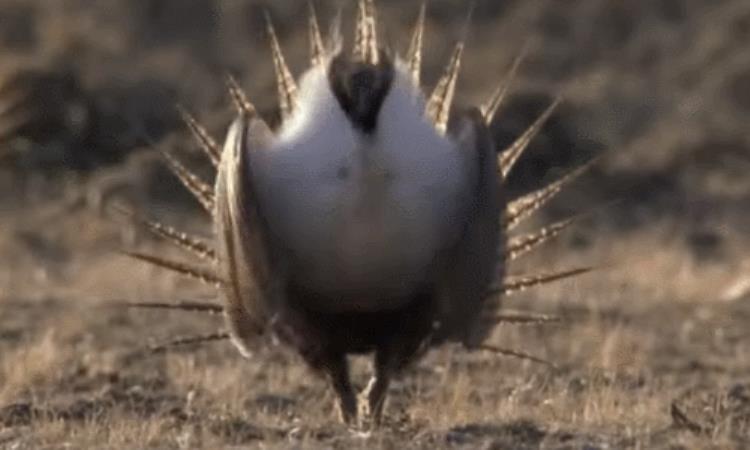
(371, 220)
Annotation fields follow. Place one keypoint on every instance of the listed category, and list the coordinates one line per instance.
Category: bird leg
(337, 371)
(374, 395)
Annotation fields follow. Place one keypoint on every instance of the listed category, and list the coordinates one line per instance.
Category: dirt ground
(654, 348)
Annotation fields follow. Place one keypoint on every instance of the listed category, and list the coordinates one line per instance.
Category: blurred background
(659, 88)
(662, 87)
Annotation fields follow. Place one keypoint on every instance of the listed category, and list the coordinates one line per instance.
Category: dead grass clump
(28, 367)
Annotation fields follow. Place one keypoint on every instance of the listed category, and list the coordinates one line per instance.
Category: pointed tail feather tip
(203, 138)
(202, 275)
(508, 158)
(492, 106)
(515, 354)
(414, 54)
(239, 98)
(366, 36)
(201, 190)
(439, 106)
(522, 319)
(287, 87)
(521, 245)
(517, 284)
(520, 209)
(188, 340)
(317, 49)
(191, 244)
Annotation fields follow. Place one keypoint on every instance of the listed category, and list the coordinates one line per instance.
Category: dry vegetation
(654, 351)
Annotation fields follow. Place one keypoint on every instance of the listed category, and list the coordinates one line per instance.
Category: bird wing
(246, 263)
(471, 264)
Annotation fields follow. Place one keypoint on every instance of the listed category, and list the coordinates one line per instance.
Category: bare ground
(654, 351)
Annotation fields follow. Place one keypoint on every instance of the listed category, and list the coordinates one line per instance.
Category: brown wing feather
(244, 260)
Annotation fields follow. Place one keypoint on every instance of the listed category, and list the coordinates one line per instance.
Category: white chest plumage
(362, 215)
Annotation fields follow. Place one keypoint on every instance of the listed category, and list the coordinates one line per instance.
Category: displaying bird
(372, 220)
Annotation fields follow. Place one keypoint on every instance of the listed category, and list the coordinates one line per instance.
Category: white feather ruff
(363, 217)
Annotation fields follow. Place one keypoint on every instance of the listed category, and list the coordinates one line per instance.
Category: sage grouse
(371, 220)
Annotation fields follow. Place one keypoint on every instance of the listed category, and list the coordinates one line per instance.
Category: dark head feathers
(361, 88)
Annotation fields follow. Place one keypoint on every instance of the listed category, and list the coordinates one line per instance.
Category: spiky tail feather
(514, 353)
(508, 157)
(520, 245)
(197, 307)
(512, 285)
(191, 244)
(414, 54)
(521, 319)
(201, 190)
(439, 106)
(317, 49)
(521, 208)
(239, 98)
(286, 85)
(492, 106)
(197, 273)
(189, 340)
(366, 36)
(201, 135)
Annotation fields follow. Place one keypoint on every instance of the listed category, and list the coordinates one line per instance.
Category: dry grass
(662, 324)
(630, 347)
